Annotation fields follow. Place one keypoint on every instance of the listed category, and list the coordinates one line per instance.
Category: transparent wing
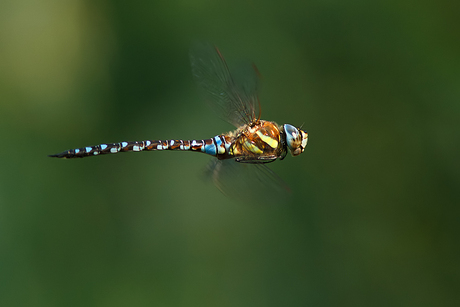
(236, 101)
(248, 183)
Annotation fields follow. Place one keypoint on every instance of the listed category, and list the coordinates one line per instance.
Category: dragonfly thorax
(262, 139)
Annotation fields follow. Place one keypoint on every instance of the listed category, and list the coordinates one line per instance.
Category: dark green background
(374, 217)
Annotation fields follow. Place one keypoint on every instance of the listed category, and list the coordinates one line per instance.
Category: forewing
(236, 101)
(248, 183)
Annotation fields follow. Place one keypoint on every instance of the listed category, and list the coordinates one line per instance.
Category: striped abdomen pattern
(218, 147)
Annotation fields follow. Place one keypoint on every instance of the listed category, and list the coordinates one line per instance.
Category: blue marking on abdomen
(210, 149)
(219, 144)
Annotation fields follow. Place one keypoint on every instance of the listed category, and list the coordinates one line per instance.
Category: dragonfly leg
(256, 160)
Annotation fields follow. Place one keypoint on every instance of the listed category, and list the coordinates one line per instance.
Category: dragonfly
(255, 142)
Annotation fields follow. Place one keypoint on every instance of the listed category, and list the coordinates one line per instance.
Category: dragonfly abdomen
(217, 146)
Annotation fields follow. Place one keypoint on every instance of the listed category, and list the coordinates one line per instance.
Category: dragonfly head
(296, 139)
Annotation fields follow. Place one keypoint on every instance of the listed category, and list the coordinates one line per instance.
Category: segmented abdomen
(217, 146)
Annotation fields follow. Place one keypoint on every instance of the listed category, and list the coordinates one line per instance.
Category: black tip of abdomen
(64, 154)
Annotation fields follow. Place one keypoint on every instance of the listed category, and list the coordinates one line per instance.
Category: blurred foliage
(373, 220)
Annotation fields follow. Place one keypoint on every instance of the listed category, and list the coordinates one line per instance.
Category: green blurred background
(374, 215)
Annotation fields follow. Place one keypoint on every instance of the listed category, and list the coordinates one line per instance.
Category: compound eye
(293, 139)
(291, 130)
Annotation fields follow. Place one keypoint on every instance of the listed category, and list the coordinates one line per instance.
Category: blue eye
(290, 130)
(292, 136)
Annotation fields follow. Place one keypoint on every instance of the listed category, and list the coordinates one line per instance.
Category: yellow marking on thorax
(268, 139)
(252, 148)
